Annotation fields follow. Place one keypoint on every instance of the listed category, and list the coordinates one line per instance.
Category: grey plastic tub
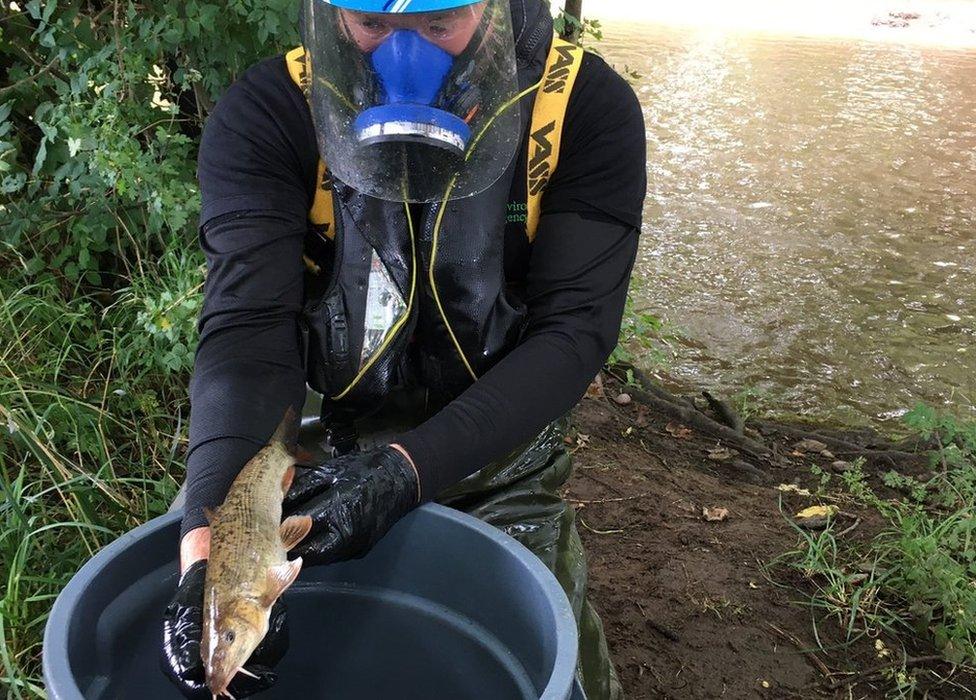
(445, 606)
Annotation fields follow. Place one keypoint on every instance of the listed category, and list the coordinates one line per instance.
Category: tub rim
(559, 686)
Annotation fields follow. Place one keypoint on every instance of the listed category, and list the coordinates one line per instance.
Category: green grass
(913, 586)
(91, 404)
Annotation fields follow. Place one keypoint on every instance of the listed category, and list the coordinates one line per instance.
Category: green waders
(519, 496)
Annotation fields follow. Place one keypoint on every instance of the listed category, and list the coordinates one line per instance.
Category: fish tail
(287, 431)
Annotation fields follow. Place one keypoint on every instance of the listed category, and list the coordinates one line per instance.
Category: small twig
(603, 483)
(609, 500)
(204, 104)
(857, 522)
(183, 297)
(811, 656)
(118, 48)
(598, 532)
(176, 436)
(942, 456)
(30, 78)
(871, 672)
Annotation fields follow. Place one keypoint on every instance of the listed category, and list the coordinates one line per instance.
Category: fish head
(238, 626)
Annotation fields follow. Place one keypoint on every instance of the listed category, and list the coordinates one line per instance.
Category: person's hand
(353, 500)
(183, 628)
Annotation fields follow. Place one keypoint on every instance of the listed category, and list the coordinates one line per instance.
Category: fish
(249, 568)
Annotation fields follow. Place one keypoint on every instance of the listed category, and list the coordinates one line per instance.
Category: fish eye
(229, 636)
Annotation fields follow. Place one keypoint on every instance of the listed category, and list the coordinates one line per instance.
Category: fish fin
(294, 529)
(286, 479)
(304, 458)
(287, 431)
(210, 514)
(279, 578)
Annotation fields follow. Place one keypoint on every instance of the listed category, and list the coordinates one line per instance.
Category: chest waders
(402, 296)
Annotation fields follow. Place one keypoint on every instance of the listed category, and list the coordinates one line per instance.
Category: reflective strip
(321, 214)
(398, 326)
(545, 134)
(377, 133)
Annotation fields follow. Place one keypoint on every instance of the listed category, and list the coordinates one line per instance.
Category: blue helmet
(400, 6)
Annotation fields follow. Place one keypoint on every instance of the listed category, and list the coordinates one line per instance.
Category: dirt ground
(690, 609)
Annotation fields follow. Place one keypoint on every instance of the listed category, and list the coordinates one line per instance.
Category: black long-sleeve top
(257, 168)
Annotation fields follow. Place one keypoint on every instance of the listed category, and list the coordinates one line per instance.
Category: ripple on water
(810, 215)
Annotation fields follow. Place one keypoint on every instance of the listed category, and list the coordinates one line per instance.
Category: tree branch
(30, 78)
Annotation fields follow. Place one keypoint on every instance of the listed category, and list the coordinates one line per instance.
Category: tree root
(841, 447)
(747, 472)
(724, 411)
(676, 408)
(732, 430)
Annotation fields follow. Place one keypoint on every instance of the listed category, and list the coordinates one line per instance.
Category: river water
(810, 226)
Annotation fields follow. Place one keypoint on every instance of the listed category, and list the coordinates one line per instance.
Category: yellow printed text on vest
(298, 68)
(540, 151)
(545, 133)
(560, 72)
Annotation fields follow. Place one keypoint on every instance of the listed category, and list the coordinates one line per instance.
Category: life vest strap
(548, 119)
(321, 214)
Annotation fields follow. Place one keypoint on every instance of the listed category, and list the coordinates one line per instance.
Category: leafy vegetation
(572, 28)
(645, 338)
(913, 583)
(100, 114)
(642, 335)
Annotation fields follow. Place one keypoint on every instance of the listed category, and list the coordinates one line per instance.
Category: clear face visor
(414, 107)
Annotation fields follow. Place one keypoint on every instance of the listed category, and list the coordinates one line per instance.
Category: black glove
(353, 501)
(183, 628)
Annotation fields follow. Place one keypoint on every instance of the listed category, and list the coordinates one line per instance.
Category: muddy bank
(690, 607)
